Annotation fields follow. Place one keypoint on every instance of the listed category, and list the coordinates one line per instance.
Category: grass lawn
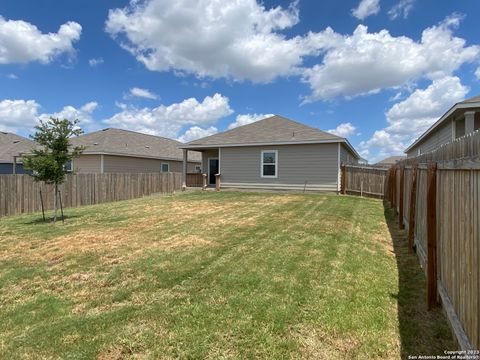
(215, 275)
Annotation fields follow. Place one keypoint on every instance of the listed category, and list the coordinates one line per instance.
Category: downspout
(338, 169)
(184, 170)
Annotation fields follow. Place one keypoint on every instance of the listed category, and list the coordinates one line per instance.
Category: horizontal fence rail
(21, 194)
(437, 199)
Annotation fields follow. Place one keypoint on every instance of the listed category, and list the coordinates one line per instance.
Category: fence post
(432, 235)
(413, 204)
(394, 189)
(401, 225)
(343, 185)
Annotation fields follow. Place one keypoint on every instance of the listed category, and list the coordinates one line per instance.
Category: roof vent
(16, 141)
(95, 143)
(147, 146)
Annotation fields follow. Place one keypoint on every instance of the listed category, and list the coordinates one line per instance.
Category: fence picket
(20, 194)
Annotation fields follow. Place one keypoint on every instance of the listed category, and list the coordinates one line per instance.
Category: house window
(269, 163)
(476, 125)
(198, 168)
(68, 166)
(165, 167)
(459, 128)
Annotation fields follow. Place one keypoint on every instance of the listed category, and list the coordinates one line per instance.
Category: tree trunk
(55, 203)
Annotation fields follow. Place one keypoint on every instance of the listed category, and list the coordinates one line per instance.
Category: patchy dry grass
(214, 275)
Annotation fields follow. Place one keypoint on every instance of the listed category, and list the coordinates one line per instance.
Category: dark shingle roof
(130, 143)
(275, 129)
(471, 100)
(13, 145)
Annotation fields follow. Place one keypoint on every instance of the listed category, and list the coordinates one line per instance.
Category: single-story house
(122, 151)
(274, 153)
(11, 148)
(389, 161)
(461, 119)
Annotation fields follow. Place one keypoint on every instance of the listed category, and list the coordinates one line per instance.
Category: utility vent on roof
(148, 147)
(95, 143)
(16, 141)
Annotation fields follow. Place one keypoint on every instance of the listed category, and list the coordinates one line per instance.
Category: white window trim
(276, 164)
(161, 167)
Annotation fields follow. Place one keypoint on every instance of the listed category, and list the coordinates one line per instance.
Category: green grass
(214, 275)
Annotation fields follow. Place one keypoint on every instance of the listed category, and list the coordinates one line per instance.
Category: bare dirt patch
(317, 344)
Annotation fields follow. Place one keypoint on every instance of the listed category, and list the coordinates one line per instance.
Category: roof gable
(473, 102)
(275, 129)
(13, 145)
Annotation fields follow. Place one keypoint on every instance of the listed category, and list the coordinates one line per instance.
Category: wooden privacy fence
(363, 180)
(194, 180)
(20, 194)
(437, 199)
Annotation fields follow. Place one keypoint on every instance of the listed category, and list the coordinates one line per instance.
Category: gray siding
(346, 156)
(205, 155)
(87, 164)
(442, 135)
(316, 164)
(125, 164)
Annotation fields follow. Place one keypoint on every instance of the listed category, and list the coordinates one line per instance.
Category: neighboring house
(11, 148)
(462, 118)
(122, 151)
(389, 161)
(274, 153)
(362, 161)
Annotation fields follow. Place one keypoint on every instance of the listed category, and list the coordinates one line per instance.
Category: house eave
(270, 143)
(440, 121)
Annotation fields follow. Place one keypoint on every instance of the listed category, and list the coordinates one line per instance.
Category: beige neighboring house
(123, 151)
(11, 148)
(389, 161)
(461, 119)
(274, 153)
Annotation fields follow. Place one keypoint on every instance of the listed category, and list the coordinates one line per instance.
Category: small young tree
(48, 161)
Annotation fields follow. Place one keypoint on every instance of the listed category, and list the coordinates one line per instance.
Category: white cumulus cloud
(196, 132)
(477, 73)
(365, 63)
(366, 8)
(143, 93)
(82, 114)
(168, 120)
(344, 130)
(244, 119)
(22, 42)
(409, 118)
(18, 115)
(213, 38)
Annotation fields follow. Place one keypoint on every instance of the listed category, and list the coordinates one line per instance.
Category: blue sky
(376, 71)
